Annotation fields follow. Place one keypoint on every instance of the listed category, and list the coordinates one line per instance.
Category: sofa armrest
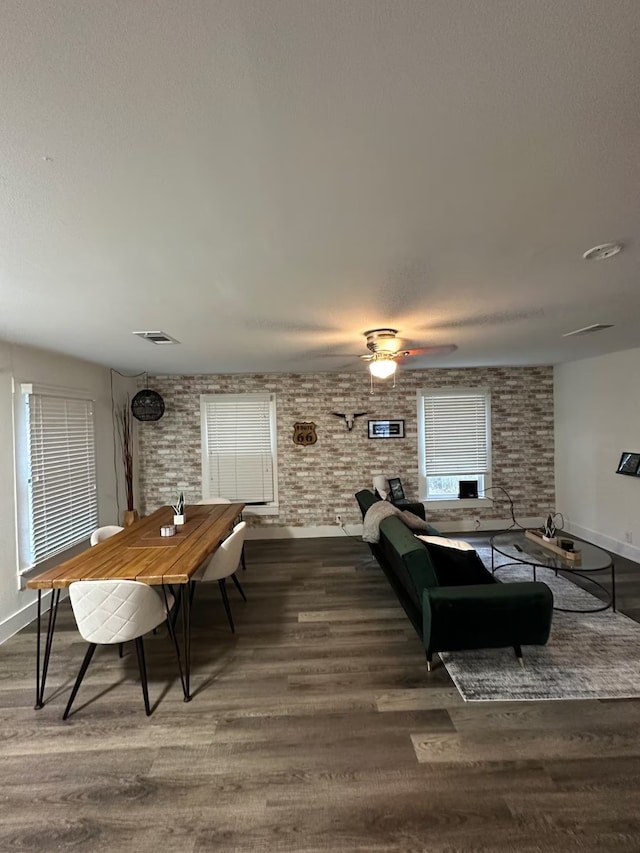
(486, 615)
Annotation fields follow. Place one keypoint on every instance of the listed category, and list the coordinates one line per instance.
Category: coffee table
(520, 550)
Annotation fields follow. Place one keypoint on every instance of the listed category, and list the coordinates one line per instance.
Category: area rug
(588, 656)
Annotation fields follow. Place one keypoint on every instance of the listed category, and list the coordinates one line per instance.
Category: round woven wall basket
(147, 406)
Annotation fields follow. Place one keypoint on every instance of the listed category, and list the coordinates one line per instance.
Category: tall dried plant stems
(123, 419)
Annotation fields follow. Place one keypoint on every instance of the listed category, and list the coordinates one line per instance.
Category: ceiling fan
(386, 351)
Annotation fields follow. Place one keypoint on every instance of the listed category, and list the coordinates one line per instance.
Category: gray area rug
(588, 656)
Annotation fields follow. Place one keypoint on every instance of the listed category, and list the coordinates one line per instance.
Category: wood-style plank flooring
(309, 730)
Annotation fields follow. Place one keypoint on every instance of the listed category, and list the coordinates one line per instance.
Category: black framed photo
(396, 492)
(629, 464)
(386, 429)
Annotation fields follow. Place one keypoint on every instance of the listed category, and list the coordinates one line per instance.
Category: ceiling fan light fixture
(382, 367)
(382, 341)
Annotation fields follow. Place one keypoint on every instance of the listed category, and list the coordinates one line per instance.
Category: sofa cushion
(455, 566)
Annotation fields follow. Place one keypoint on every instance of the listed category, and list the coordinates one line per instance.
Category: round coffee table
(520, 550)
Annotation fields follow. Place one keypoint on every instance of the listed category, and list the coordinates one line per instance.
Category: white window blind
(456, 433)
(238, 444)
(63, 506)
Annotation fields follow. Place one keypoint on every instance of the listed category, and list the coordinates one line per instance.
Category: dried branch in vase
(123, 420)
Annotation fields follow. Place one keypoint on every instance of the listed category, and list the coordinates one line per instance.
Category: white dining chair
(116, 611)
(219, 500)
(104, 533)
(223, 564)
(99, 535)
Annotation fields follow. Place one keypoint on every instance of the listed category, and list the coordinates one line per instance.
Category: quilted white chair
(116, 611)
(104, 533)
(223, 564)
(224, 501)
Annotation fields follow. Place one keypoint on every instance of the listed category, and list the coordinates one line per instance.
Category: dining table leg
(41, 676)
(186, 628)
(172, 635)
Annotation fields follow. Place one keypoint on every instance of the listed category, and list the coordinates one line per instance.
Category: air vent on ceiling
(587, 330)
(159, 338)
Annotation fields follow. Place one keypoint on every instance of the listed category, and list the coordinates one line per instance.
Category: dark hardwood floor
(300, 736)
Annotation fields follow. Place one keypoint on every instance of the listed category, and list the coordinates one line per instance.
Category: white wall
(597, 416)
(25, 364)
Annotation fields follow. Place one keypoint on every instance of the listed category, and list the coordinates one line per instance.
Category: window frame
(28, 561)
(448, 503)
(271, 507)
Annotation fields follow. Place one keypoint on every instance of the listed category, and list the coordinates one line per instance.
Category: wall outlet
(338, 519)
(628, 537)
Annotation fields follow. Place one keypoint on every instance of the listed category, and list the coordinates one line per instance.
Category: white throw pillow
(458, 544)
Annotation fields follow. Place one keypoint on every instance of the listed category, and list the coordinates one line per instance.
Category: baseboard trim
(328, 530)
(23, 617)
(622, 549)
(317, 532)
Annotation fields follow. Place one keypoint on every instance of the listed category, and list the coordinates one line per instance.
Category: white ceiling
(265, 180)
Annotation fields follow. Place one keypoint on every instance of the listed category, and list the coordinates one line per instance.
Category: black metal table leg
(186, 627)
(613, 585)
(41, 677)
(174, 639)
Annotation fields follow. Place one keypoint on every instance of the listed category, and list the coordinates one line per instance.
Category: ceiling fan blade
(442, 349)
(338, 355)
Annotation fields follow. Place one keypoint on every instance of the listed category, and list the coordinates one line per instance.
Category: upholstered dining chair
(223, 564)
(104, 533)
(116, 611)
(99, 535)
(219, 500)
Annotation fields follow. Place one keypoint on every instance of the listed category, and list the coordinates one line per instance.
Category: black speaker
(468, 489)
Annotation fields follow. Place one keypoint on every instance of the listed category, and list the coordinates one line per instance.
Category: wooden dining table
(140, 553)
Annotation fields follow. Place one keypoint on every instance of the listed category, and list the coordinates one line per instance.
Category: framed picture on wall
(629, 464)
(386, 429)
(395, 490)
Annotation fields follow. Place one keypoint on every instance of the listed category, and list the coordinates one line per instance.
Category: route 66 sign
(304, 433)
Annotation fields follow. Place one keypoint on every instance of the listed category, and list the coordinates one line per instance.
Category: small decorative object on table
(178, 509)
(168, 530)
(549, 530)
(565, 548)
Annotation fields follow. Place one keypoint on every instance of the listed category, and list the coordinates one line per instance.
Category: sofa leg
(518, 651)
(429, 661)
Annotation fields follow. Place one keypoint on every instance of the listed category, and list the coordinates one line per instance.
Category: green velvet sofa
(449, 614)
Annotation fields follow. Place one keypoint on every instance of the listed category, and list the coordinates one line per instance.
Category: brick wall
(317, 481)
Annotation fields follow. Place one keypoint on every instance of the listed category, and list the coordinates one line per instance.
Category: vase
(551, 539)
(129, 516)
(179, 520)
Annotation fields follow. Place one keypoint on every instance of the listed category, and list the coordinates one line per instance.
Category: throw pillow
(459, 544)
(455, 566)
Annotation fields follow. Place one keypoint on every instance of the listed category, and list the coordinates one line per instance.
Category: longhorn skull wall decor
(349, 419)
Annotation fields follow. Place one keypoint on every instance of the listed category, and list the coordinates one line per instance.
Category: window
(454, 429)
(239, 447)
(57, 494)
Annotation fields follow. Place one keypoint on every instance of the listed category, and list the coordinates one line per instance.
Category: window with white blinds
(455, 438)
(239, 447)
(61, 474)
